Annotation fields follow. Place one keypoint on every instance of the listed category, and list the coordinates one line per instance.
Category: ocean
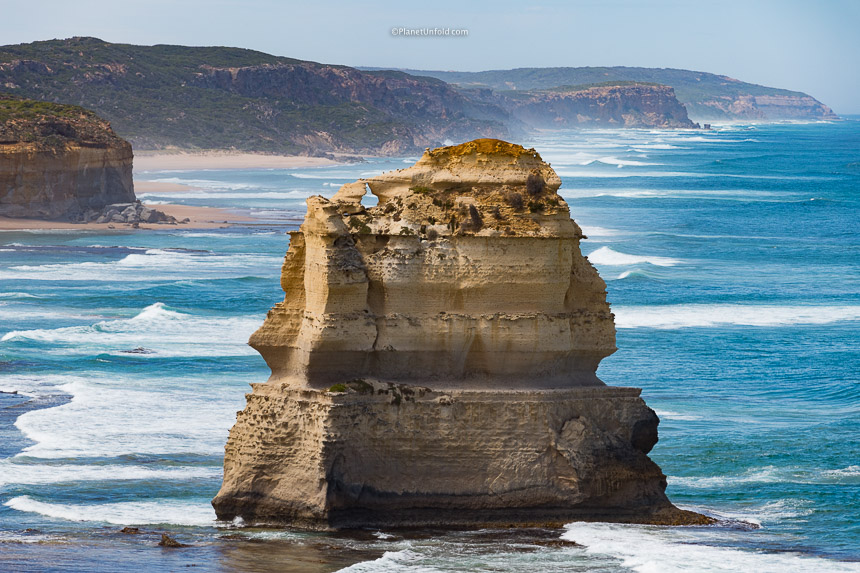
(732, 262)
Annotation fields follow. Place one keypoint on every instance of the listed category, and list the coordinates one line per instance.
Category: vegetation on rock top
(50, 125)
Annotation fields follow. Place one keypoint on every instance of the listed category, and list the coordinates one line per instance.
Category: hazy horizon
(794, 44)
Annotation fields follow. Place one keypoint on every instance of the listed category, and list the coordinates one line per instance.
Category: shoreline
(200, 218)
(159, 160)
(178, 160)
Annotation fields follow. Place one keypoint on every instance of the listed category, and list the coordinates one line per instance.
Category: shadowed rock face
(433, 363)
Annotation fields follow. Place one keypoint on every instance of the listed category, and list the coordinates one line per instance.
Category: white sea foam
(637, 273)
(708, 315)
(624, 162)
(123, 513)
(156, 328)
(153, 264)
(648, 549)
(12, 537)
(125, 415)
(702, 139)
(772, 474)
(592, 231)
(206, 184)
(766, 514)
(609, 257)
(18, 295)
(28, 312)
(850, 474)
(21, 473)
(668, 415)
(641, 148)
(403, 561)
(625, 173)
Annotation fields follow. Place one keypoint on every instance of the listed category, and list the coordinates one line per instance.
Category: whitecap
(117, 416)
(122, 513)
(668, 415)
(593, 231)
(30, 474)
(709, 315)
(404, 561)
(624, 162)
(205, 183)
(772, 474)
(18, 295)
(609, 257)
(152, 264)
(641, 148)
(648, 549)
(165, 332)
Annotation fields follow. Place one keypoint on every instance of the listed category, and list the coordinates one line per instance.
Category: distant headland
(204, 98)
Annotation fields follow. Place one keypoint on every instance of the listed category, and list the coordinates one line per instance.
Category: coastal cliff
(708, 97)
(433, 363)
(186, 97)
(59, 161)
(614, 105)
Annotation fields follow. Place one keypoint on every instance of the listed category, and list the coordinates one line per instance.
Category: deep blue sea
(732, 261)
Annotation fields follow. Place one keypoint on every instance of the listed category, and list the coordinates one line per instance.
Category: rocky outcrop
(706, 96)
(133, 213)
(628, 105)
(762, 108)
(59, 161)
(433, 363)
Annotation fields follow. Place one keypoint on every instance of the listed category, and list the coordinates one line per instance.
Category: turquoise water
(732, 260)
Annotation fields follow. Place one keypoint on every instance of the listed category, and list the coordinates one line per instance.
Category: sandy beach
(180, 160)
(200, 218)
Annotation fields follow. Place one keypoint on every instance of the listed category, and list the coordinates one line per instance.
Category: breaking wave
(706, 315)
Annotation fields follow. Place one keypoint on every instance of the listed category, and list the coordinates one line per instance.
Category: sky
(805, 45)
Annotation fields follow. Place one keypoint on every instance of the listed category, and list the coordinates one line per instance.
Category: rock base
(374, 454)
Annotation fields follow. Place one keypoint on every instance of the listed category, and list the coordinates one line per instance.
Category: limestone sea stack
(433, 363)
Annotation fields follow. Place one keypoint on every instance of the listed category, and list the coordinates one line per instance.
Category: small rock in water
(130, 530)
(167, 541)
(139, 350)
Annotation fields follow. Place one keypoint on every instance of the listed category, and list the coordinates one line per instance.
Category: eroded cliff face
(433, 363)
(59, 161)
(637, 105)
(762, 107)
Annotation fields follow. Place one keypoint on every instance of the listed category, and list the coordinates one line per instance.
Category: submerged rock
(138, 350)
(167, 541)
(433, 363)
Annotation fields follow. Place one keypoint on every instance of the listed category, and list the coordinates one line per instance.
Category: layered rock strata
(58, 161)
(629, 105)
(433, 363)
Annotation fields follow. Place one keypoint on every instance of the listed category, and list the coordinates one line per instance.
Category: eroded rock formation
(59, 161)
(627, 105)
(433, 363)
